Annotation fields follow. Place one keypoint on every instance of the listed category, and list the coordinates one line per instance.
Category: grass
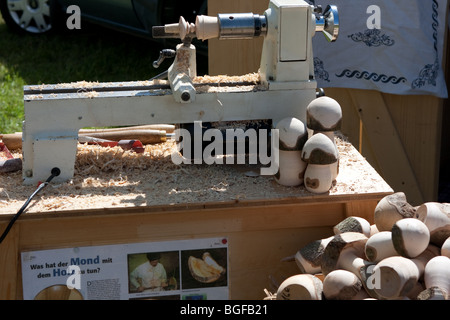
(91, 54)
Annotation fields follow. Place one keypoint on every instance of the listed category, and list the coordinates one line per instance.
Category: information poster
(185, 269)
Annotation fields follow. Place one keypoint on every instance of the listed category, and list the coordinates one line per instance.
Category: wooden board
(399, 137)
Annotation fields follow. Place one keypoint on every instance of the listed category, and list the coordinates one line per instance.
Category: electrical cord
(54, 173)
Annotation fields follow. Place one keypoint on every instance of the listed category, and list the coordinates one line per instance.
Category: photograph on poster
(204, 268)
(153, 271)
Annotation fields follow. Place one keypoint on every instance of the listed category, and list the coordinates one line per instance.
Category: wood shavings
(113, 178)
(152, 82)
(221, 83)
(34, 97)
(89, 94)
(79, 84)
(181, 64)
(254, 78)
(213, 89)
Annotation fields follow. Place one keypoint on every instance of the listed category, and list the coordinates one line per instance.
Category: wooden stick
(142, 133)
(169, 128)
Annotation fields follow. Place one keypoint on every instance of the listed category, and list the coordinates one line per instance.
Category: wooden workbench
(150, 199)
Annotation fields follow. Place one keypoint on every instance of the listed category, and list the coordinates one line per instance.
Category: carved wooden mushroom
(396, 277)
(421, 260)
(353, 224)
(320, 154)
(324, 115)
(437, 275)
(437, 219)
(390, 209)
(309, 258)
(300, 287)
(379, 246)
(341, 285)
(346, 251)
(292, 136)
(410, 237)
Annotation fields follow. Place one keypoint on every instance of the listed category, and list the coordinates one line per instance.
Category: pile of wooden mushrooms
(308, 153)
(404, 255)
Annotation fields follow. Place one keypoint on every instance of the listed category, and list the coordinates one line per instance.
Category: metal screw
(185, 96)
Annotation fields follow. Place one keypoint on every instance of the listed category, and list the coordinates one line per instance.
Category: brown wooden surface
(400, 137)
(260, 231)
(259, 236)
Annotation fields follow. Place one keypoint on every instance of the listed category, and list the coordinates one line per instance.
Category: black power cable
(55, 172)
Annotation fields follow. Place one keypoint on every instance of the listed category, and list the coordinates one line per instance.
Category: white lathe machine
(55, 113)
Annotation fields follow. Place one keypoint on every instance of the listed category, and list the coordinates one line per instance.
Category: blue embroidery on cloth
(319, 70)
(372, 38)
(429, 73)
(371, 76)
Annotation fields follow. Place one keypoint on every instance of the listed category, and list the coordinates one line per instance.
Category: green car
(133, 16)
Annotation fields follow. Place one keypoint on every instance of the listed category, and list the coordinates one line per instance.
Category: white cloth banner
(390, 46)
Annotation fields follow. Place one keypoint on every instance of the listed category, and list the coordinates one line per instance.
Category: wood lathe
(54, 114)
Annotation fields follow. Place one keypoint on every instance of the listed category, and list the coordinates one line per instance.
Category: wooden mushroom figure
(324, 115)
(390, 209)
(346, 251)
(300, 287)
(410, 237)
(293, 135)
(398, 276)
(379, 246)
(341, 285)
(309, 257)
(353, 224)
(437, 279)
(437, 219)
(320, 154)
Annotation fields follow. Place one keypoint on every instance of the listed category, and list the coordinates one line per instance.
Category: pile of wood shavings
(79, 84)
(252, 83)
(112, 177)
(254, 78)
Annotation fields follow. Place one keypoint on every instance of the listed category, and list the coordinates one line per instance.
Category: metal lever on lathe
(328, 22)
(164, 54)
